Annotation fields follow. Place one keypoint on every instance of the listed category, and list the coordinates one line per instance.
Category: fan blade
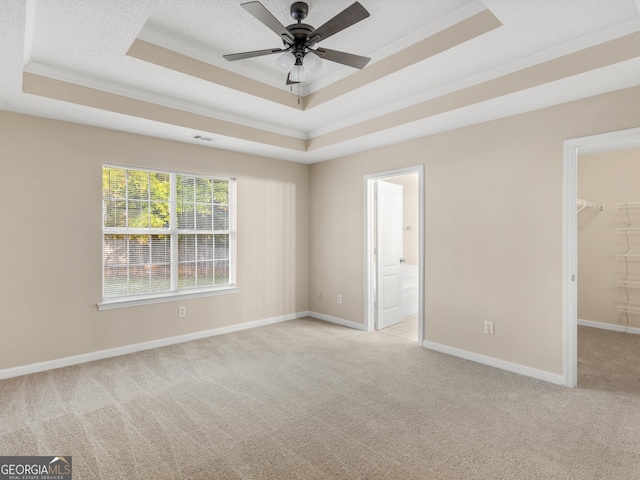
(261, 13)
(344, 19)
(257, 53)
(289, 81)
(355, 61)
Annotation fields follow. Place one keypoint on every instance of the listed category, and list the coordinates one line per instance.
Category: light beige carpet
(309, 400)
(608, 361)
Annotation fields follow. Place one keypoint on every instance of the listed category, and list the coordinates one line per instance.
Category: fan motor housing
(300, 32)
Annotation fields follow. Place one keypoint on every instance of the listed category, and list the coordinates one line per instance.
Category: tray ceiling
(155, 67)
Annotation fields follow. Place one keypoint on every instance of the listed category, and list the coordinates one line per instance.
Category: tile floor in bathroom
(407, 328)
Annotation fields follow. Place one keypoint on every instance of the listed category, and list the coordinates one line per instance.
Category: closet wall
(610, 179)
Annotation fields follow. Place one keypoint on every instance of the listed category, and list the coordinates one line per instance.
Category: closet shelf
(629, 283)
(629, 230)
(582, 204)
(628, 256)
(633, 309)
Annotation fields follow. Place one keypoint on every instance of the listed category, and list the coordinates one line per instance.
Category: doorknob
(402, 260)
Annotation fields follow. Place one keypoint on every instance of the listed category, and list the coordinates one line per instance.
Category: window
(165, 233)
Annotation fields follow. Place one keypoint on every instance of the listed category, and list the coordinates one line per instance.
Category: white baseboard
(497, 363)
(338, 321)
(163, 342)
(609, 326)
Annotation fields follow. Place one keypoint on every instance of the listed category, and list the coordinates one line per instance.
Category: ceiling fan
(300, 38)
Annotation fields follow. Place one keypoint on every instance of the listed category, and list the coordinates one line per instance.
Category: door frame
(369, 192)
(572, 149)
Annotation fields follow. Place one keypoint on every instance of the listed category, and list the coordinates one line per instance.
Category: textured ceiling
(230, 29)
(85, 43)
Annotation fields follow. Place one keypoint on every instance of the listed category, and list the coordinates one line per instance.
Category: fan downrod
(299, 11)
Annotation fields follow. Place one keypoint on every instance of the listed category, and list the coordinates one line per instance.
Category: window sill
(165, 297)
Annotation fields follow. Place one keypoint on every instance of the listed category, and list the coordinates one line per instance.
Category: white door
(389, 258)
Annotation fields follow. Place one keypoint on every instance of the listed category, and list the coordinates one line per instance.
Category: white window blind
(165, 232)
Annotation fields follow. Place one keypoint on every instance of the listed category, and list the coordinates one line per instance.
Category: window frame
(176, 293)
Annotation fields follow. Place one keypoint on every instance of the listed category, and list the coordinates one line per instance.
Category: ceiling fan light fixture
(313, 63)
(286, 61)
(298, 73)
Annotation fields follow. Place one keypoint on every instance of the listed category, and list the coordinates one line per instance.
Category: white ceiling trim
(82, 80)
(148, 34)
(542, 96)
(29, 30)
(603, 36)
(56, 73)
(18, 59)
(513, 104)
(407, 41)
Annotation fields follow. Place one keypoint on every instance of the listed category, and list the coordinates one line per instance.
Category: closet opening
(608, 271)
(602, 261)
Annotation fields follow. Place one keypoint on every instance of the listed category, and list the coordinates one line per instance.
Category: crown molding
(56, 73)
(183, 47)
(612, 33)
(29, 31)
(76, 78)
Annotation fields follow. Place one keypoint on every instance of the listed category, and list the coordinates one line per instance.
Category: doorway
(609, 270)
(394, 252)
(572, 149)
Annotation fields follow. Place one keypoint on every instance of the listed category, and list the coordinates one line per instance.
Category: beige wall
(51, 263)
(493, 227)
(410, 216)
(607, 178)
(493, 220)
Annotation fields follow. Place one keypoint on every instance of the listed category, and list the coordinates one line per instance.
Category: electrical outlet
(488, 328)
(319, 297)
(182, 311)
(339, 298)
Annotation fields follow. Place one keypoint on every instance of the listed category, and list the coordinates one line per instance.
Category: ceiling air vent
(205, 139)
